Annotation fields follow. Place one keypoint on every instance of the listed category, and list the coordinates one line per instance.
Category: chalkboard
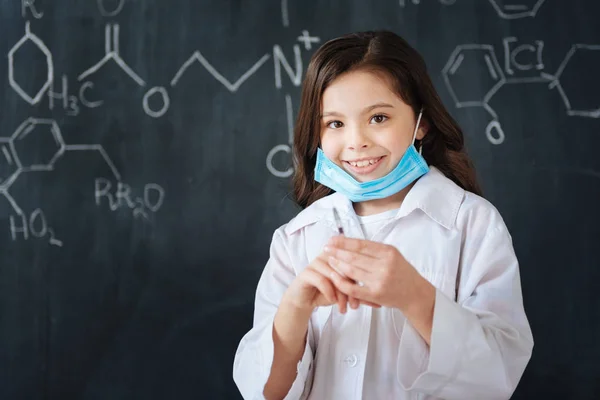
(144, 165)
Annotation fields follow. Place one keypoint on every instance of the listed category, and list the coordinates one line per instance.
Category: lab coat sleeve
(254, 355)
(481, 343)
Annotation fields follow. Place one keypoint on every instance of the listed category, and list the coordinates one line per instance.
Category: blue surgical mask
(411, 167)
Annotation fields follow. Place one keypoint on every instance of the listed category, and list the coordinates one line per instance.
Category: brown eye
(334, 124)
(378, 119)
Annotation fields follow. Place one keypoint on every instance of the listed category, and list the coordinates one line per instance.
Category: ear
(423, 129)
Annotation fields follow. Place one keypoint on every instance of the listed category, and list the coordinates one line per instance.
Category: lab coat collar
(435, 194)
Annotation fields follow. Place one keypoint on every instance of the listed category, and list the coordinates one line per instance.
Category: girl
(426, 264)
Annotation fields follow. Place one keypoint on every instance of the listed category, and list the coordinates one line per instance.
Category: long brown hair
(387, 53)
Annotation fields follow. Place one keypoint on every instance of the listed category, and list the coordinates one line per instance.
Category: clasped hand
(386, 278)
(333, 277)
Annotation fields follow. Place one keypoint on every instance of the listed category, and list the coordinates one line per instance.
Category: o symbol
(166, 102)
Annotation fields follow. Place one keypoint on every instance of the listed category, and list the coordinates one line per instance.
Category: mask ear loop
(416, 129)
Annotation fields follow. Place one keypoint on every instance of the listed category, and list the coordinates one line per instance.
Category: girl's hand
(388, 278)
(313, 288)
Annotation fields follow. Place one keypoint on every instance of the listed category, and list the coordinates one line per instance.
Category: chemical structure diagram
(468, 58)
(519, 59)
(14, 161)
(506, 9)
(72, 103)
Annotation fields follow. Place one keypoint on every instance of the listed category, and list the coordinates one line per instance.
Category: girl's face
(365, 126)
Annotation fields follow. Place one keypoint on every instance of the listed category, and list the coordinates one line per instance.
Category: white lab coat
(481, 341)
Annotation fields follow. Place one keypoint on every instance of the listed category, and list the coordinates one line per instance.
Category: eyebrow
(364, 111)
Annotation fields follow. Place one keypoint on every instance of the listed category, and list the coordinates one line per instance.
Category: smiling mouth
(363, 166)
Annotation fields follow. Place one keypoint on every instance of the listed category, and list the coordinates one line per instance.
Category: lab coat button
(351, 360)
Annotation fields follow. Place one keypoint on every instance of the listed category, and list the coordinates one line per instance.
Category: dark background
(102, 303)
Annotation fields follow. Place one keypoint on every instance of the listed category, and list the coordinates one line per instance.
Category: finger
(365, 247)
(366, 263)
(351, 289)
(324, 257)
(342, 302)
(322, 284)
(324, 268)
(368, 303)
(320, 266)
(354, 303)
(350, 270)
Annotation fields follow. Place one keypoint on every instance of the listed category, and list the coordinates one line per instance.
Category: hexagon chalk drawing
(20, 153)
(11, 66)
(469, 88)
(581, 100)
(463, 68)
(40, 156)
(514, 9)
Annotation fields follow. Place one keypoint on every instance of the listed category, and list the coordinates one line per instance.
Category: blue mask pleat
(410, 168)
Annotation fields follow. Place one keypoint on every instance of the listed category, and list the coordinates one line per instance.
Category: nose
(357, 139)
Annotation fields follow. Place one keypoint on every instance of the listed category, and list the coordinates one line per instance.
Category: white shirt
(371, 224)
(481, 341)
(379, 339)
